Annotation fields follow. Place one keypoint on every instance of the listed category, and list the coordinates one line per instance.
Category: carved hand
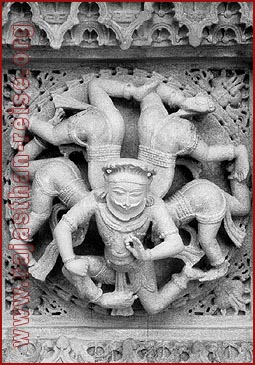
(58, 117)
(135, 246)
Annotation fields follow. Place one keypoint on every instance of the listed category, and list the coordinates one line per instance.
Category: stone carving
(64, 326)
(230, 294)
(184, 205)
(56, 300)
(132, 24)
(121, 199)
(71, 350)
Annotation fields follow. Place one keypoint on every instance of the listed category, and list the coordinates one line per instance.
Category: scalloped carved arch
(55, 32)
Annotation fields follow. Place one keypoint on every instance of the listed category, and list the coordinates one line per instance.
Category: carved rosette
(132, 24)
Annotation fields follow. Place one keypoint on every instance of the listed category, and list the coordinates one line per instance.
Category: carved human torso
(114, 232)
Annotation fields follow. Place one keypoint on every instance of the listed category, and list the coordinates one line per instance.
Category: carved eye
(119, 192)
(136, 194)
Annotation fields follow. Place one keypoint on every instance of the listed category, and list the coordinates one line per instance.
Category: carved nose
(127, 202)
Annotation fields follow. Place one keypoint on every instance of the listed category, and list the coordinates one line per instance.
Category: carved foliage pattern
(75, 350)
(131, 24)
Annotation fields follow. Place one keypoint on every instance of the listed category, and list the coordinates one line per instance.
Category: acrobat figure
(98, 127)
(164, 137)
(204, 201)
(52, 177)
(124, 209)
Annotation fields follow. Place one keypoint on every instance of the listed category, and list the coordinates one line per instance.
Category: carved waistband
(156, 157)
(103, 153)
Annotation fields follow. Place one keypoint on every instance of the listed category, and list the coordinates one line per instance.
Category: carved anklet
(69, 259)
(98, 296)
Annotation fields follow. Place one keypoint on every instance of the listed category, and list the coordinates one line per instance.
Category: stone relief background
(134, 25)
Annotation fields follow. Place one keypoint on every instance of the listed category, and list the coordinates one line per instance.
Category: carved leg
(95, 267)
(41, 209)
(203, 152)
(157, 300)
(207, 239)
(24, 161)
(240, 201)
(54, 133)
(174, 97)
(104, 148)
(152, 115)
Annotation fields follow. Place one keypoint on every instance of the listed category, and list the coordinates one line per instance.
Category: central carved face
(126, 194)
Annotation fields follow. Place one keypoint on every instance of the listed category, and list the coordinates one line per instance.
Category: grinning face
(126, 194)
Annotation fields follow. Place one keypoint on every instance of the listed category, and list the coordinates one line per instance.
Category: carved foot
(216, 272)
(117, 300)
(37, 272)
(241, 167)
(197, 105)
(78, 266)
(193, 273)
(140, 92)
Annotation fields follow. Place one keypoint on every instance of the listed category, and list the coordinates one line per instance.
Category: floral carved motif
(71, 350)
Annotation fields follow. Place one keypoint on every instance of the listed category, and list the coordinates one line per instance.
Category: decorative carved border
(75, 350)
(133, 24)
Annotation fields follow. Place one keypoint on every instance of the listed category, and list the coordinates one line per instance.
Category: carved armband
(168, 233)
(103, 153)
(69, 259)
(68, 222)
(127, 91)
(40, 142)
(97, 297)
(156, 157)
